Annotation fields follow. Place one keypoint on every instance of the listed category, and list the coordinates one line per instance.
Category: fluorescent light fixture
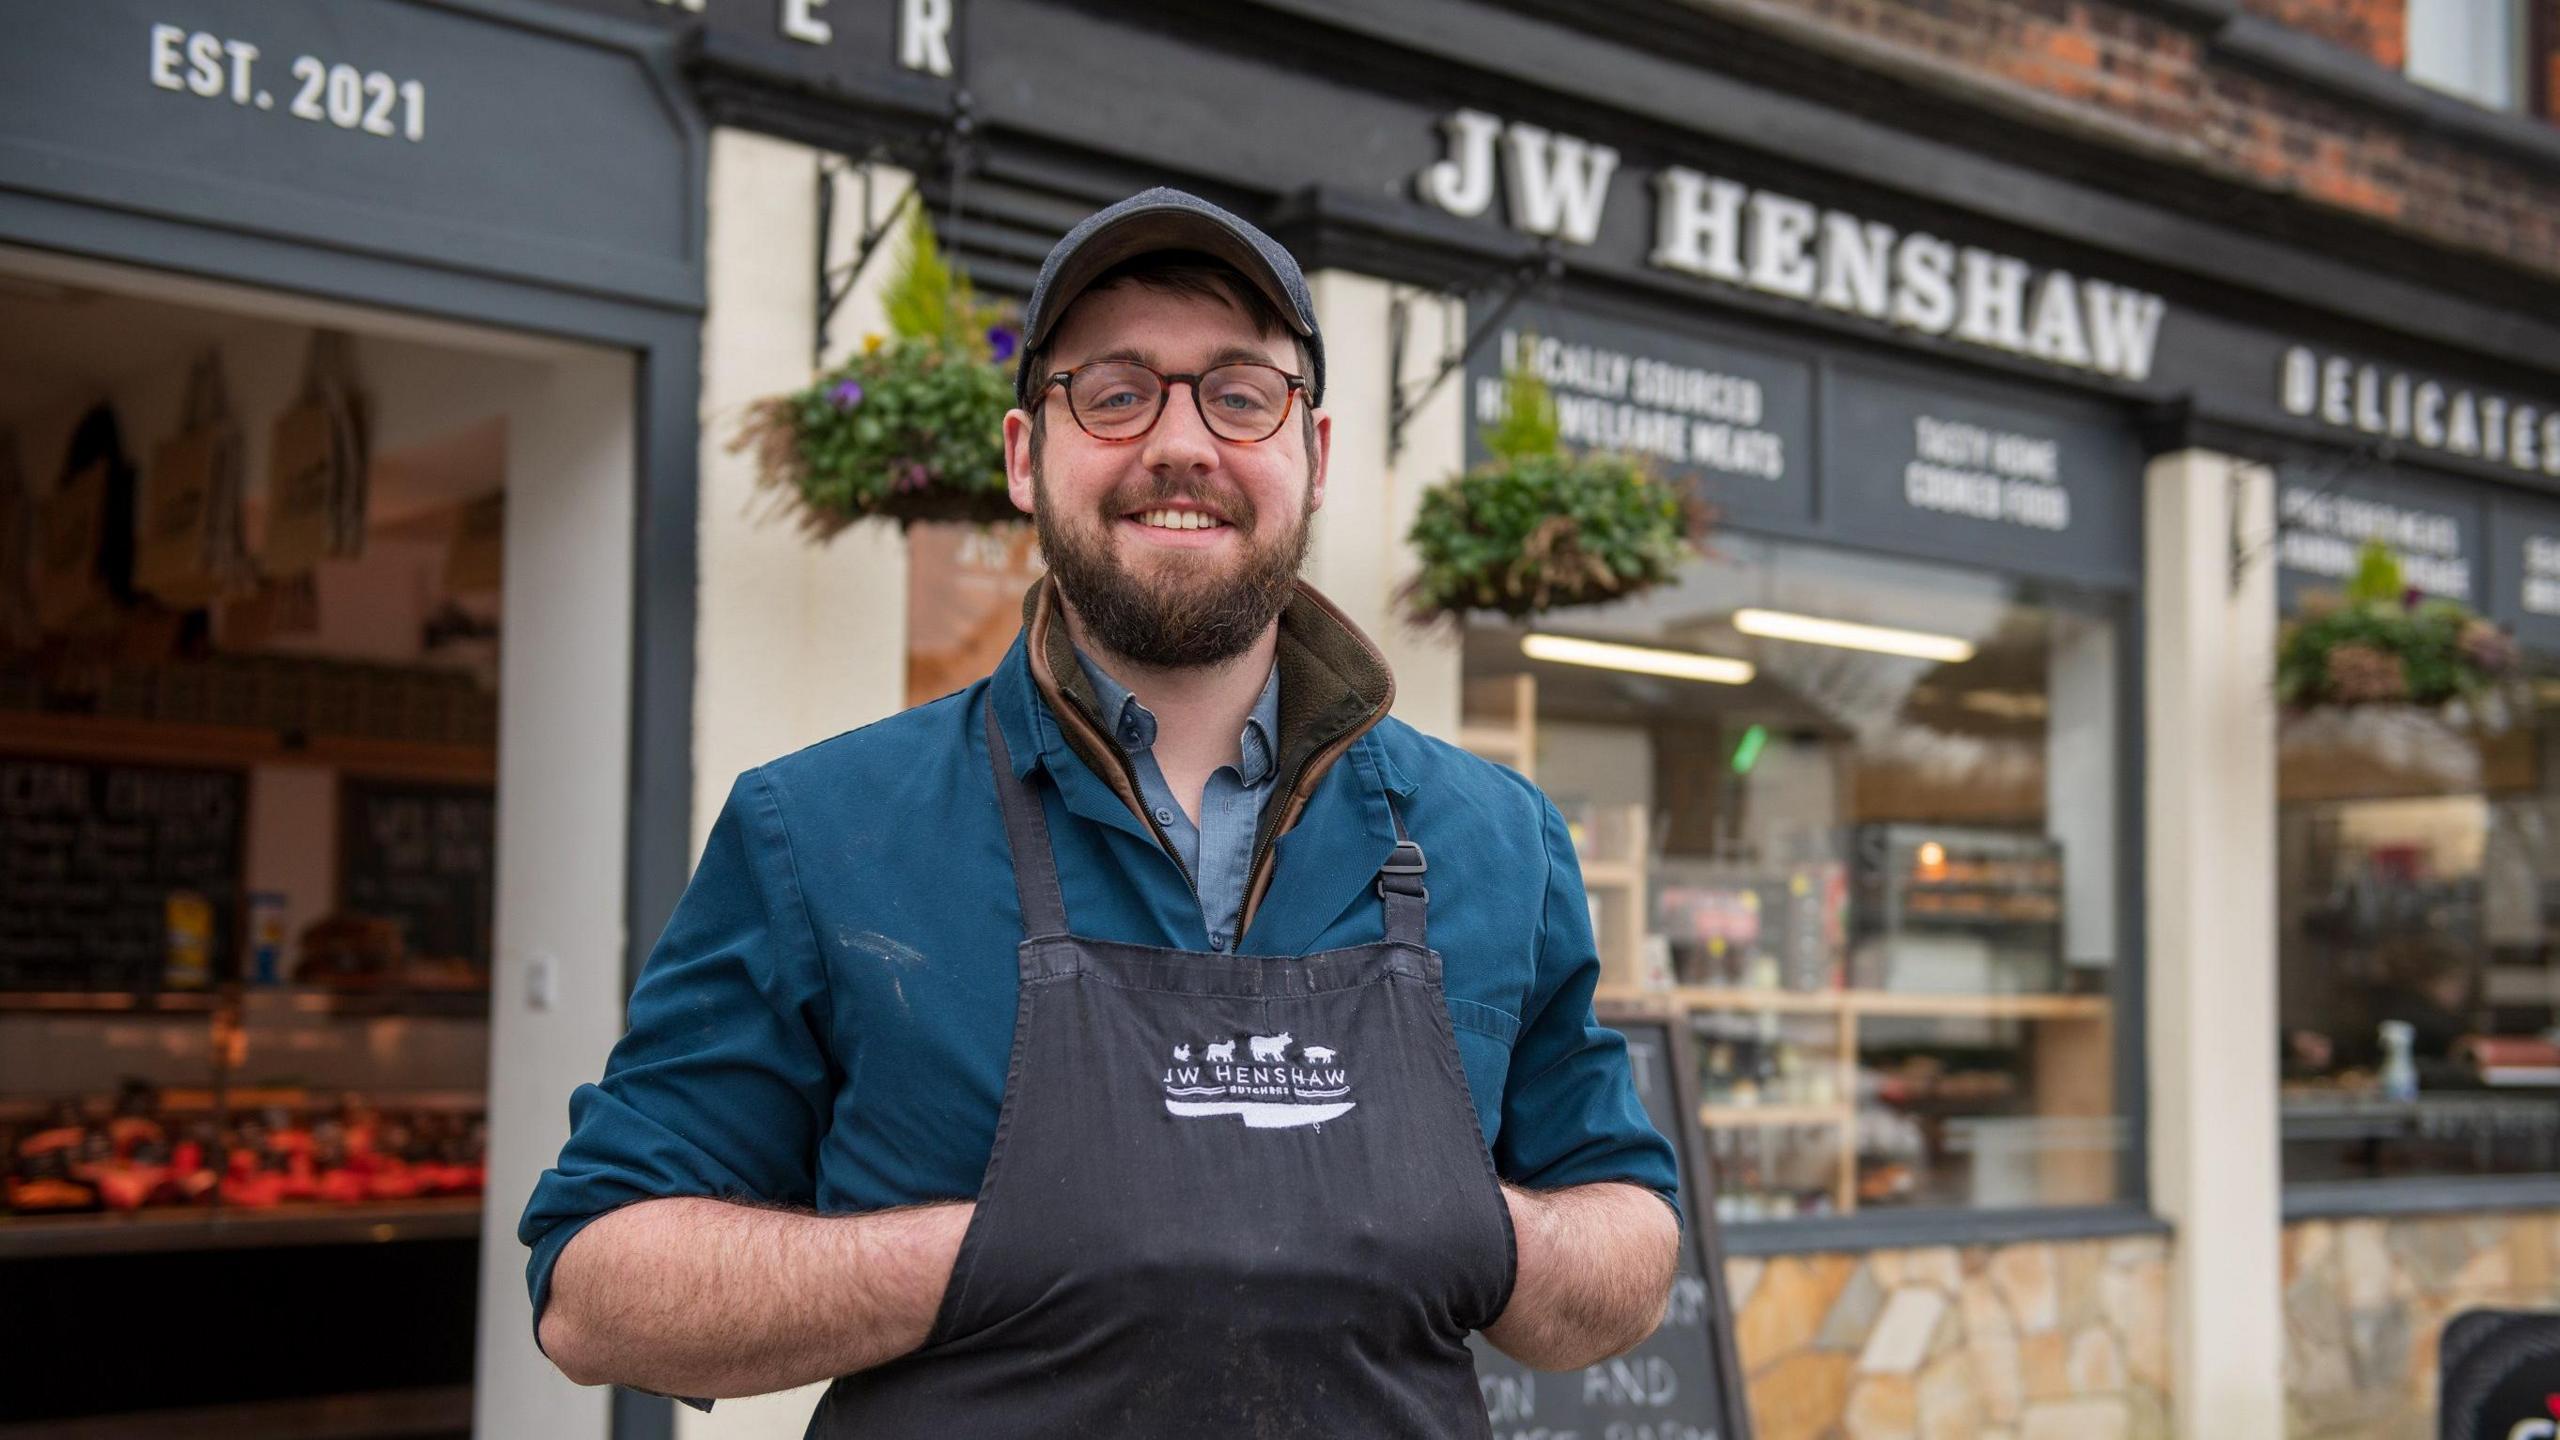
(1677, 664)
(1883, 640)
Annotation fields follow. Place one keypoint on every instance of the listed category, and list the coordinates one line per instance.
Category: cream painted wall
(1359, 557)
(796, 640)
(2210, 801)
(564, 745)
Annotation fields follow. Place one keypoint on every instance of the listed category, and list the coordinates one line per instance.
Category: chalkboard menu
(90, 853)
(2501, 1376)
(426, 857)
(1682, 1383)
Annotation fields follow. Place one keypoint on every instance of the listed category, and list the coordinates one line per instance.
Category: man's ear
(1017, 459)
(1316, 461)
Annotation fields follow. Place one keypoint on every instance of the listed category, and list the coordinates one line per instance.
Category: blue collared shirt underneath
(1218, 851)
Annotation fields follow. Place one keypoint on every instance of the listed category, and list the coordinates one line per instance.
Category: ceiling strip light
(1883, 640)
(1677, 664)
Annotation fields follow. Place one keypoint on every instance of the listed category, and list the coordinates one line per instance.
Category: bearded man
(933, 1085)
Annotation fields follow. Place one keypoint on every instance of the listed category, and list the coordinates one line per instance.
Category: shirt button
(1163, 816)
(1217, 944)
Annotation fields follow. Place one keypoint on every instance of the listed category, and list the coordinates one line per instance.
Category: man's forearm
(711, 1299)
(1595, 1272)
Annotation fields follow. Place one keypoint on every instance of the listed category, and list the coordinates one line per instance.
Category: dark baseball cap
(1167, 219)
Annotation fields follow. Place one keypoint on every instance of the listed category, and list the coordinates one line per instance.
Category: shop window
(1874, 857)
(2470, 48)
(2418, 899)
(251, 594)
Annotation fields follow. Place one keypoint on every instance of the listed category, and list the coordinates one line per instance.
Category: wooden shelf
(1611, 875)
(1871, 1002)
(155, 742)
(1737, 1117)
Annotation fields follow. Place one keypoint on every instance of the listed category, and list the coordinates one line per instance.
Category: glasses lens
(1244, 402)
(1113, 400)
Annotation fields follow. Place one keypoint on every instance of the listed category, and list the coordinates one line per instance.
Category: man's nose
(1180, 442)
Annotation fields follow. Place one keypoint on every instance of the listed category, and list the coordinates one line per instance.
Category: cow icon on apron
(1229, 1196)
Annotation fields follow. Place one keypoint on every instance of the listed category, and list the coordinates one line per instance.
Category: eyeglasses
(1122, 399)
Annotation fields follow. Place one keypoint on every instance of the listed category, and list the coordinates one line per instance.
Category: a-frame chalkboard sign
(1684, 1382)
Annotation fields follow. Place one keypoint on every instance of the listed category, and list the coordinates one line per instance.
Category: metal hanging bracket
(2331, 474)
(948, 144)
(1536, 271)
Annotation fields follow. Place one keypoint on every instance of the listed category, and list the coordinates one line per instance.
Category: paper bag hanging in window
(69, 530)
(187, 547)
(477, 559)
(316, 490)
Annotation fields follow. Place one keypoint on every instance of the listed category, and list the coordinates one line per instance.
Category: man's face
(1145, 590)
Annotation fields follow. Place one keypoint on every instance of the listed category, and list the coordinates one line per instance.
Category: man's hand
(710, 1299)
(1595, 1272)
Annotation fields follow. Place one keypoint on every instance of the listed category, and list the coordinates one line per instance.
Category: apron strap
(1026, 830)
(1400, 886)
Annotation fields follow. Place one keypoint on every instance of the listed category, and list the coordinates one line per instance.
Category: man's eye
(1115, 400)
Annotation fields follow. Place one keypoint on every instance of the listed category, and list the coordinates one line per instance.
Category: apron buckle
(1406, 859)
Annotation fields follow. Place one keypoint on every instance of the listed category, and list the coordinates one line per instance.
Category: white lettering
(165, 40)
(2057, 335)
(2462, 436)
(1781, 236)
(1698, 225)
(924, 35)
(1557, 183)
(2298, 382)
(1857, 264)
(204, 64)
(2124, 326)
(1995, 301)
(1462, 182)
(1925, 266)
(2493, 427)
(2521, 449)
(2430, 427)
(800, 22)
(2368, 400)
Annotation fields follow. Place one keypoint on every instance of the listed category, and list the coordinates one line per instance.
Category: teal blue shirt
(825, 1020)
(1218, 850)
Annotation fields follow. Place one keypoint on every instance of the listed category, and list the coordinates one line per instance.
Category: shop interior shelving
(2071, 1073)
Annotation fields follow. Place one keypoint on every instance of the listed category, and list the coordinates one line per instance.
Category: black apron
(1228, 1197)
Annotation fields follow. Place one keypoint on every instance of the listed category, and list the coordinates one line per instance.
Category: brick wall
(2163, 88)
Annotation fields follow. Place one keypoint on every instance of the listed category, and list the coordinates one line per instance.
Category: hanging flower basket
(912, 428)
(1537, 528)
(2383, 644)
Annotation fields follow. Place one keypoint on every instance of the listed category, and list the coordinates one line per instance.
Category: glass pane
(2418, 885)
(1874, 855)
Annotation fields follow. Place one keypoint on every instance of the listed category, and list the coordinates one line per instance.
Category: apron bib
(1228, 1196)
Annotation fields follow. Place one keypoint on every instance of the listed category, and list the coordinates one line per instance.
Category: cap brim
(1144, 232)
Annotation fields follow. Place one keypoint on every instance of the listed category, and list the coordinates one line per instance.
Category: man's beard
(1171, 620)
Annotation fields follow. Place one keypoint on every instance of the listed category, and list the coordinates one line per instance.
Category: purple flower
(1003, 342)
(913, 476)
(846, 394)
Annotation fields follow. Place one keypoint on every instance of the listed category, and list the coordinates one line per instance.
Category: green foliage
(1535, 532)
(911, 428)
(2377, 576)
(2381, 643)
(1528, 424)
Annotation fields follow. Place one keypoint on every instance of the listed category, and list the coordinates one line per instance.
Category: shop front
(349, 368)
(1938, 806)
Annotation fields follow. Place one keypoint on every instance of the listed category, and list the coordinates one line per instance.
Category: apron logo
(1268, 1091)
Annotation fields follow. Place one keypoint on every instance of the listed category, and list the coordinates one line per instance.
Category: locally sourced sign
(1965, 477)
(1732, 423)
(2525, 566)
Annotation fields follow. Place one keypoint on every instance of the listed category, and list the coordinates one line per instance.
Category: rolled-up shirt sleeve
(723, 1084)
(1570, 1112)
